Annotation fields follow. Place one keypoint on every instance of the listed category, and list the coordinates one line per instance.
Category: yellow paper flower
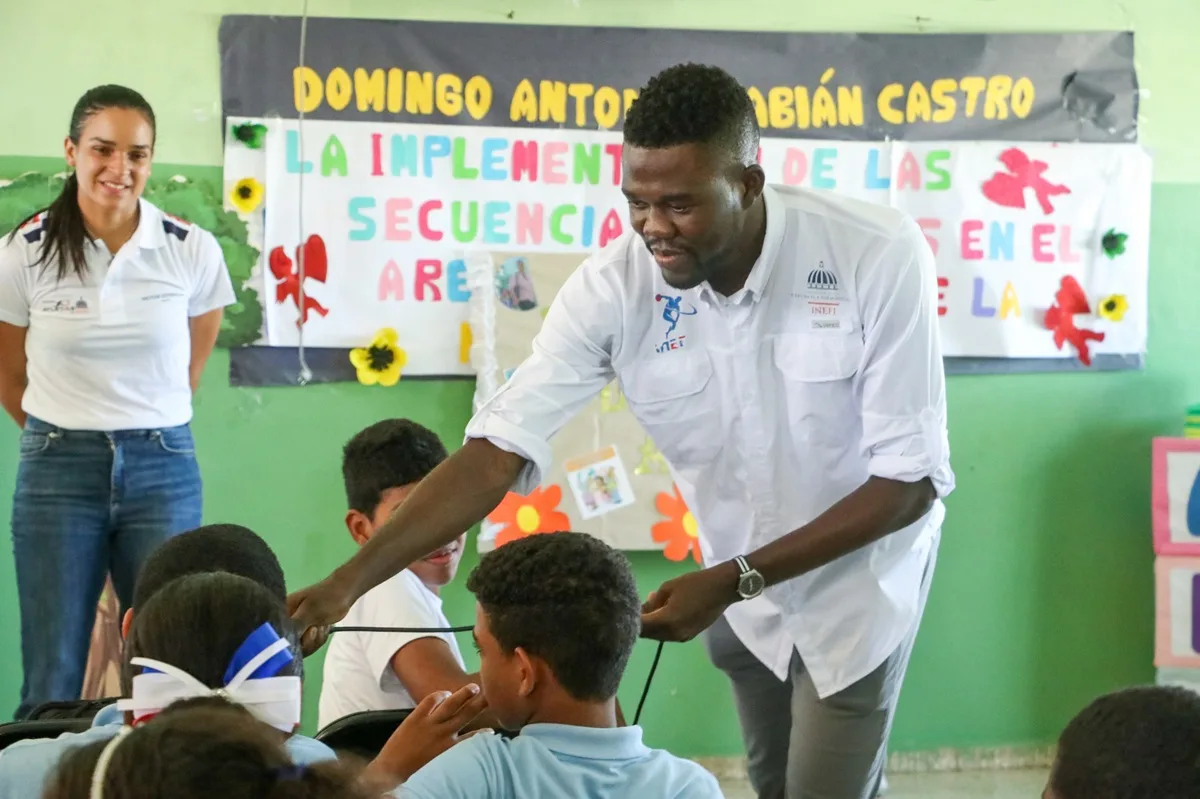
(382, 362)
(247, 194)
(1113, 307)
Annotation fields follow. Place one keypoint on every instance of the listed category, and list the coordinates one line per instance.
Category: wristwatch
(750, 583)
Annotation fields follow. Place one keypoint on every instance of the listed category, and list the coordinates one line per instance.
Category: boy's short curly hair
(1138, 742)
(568, 599)
(694, 104)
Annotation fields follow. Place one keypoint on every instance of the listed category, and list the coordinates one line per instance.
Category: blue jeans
(88, 504)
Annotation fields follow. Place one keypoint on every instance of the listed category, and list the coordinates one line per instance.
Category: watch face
(751, 584)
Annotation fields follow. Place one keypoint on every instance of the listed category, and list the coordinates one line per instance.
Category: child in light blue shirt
(232, 549)
(556, 620)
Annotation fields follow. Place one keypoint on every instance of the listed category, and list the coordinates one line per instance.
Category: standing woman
(108, 311)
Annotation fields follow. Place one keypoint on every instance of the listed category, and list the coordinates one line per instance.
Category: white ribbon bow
(272, 700)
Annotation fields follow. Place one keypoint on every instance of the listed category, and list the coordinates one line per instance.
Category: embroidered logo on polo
(169, 295)
(65, 306)
(674, 309)
(824, 297)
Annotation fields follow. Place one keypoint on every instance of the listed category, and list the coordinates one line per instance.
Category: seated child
(386, 671)
(556, 621)
(199, 748)
(1140, 743)
(25, 765)
(217, 632)
(210, 638)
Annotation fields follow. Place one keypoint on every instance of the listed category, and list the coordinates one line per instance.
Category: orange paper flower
(531, 515)
(679, 532)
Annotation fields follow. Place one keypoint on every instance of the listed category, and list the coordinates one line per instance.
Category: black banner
(1012, 87)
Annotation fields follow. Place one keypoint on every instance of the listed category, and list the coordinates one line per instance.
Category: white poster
(401, 209)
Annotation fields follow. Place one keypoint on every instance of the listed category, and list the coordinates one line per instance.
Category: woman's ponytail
(64, 236)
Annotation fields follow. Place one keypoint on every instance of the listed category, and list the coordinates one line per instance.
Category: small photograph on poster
(514, 285)
(599, 483)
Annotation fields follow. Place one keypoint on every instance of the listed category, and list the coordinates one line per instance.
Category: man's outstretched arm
(507, 449)
(456, 495)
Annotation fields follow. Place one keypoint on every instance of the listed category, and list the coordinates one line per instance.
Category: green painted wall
(1043, 596)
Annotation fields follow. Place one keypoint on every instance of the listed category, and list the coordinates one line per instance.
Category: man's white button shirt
(769, 406)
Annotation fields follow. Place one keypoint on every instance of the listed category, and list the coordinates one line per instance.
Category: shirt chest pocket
(676, 400)
(818, 375)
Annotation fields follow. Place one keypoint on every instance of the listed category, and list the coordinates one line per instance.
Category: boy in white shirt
(386, 671)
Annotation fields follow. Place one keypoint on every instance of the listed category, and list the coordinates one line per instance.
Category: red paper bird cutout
(1060, 318)
(1008, 189)
(316, 267)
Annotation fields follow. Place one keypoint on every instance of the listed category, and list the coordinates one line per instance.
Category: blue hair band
(256, 642)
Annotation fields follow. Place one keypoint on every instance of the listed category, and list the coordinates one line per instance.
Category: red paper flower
(287, 274)
(1008, 188)
(679, 532)
(531, 515)
(1060, 318)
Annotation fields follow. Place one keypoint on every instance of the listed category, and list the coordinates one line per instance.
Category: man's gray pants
(799, 746)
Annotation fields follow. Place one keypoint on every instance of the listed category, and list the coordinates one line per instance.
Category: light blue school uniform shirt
(26, 766)
(560, 760)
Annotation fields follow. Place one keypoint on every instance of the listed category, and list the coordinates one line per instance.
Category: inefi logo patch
(824, 297)
(673, 311)
(822, 281)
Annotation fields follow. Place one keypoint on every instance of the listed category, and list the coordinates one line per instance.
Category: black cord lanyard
(641, 702)
(400, 629)
(637, 715)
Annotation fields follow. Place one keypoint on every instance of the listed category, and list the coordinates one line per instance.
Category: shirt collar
(150, 231)
(760, 273)
(592, 743)
(109, 714)
(415, 583)
(149, 234)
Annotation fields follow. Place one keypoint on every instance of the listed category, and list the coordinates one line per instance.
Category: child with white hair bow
(219, 638)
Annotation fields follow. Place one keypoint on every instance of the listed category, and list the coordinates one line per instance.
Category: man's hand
(687, 606)
(459, 493)
(316, 608)
(433, 727)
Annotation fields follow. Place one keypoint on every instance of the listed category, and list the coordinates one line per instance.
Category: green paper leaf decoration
(1113, 243)
(251, 134)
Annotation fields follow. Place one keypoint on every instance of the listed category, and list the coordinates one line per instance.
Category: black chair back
(362, 734)
(79, 709)
(25, 730)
